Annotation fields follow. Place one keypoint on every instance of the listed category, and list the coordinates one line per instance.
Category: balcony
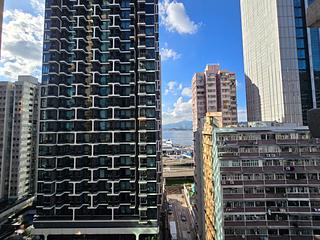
(278, 223)
(254, 195)
(234, 223)
(256, 223)
(299, 209)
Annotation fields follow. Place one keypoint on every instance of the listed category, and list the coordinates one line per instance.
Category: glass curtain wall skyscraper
(281, 58)
(99, 170)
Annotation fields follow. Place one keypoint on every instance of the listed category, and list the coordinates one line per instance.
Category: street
(185, 228)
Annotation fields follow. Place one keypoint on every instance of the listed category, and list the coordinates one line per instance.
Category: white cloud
(181, 111)
(187, 92)
(174, 17)
(38, 5)
(22, 44)
(167, 53)
(242, 115)
(171, 87)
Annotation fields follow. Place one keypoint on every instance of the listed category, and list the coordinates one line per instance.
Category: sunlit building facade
(281, 60)
(210, 179)
(214, 90)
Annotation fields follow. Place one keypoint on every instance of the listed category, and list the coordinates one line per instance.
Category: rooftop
(263, 126)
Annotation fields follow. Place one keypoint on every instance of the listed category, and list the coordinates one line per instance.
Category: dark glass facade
(303, 58)
(100, 118)
(308, 51)
(315, 48)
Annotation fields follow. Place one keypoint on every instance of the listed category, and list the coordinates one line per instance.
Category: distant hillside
(184, 125)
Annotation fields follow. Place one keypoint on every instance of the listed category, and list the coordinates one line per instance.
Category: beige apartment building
(214, 90)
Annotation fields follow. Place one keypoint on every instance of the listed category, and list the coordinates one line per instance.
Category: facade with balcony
(18, 128)
(267, 175)
(99, 172)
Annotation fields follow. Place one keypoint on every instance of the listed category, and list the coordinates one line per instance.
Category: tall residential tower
(282, 60)
(213, 93)
(18, 128)
(214, 90)
(99, 171)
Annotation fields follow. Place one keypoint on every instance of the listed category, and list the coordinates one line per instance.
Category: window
(298, 12)
(125, 3)
(149, 31)
(280, 176)
(45, 69)
(150, 42)
(125, 24)
(149, 9)
(300, 43)
(235, 163)
(299, 22)
(250, 163)
(125, 14)
(150, 20)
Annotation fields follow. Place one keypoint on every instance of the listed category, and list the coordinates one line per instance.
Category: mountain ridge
(182, 125)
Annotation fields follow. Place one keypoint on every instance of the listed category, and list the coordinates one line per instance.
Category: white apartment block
(18, 124)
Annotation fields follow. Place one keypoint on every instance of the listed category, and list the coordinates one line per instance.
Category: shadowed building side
(253, 100)
(313, 14)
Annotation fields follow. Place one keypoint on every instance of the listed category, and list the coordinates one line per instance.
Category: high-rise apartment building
(264, 181)
(281, 59)
(6, 113)
(208, 206)
(99, 171)
(198, 181)
(18, 124)
(214, 90)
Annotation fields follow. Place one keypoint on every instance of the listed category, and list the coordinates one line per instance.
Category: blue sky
(211, 34)
(193, 33)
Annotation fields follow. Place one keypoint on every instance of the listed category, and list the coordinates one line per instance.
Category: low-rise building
(261, 181)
